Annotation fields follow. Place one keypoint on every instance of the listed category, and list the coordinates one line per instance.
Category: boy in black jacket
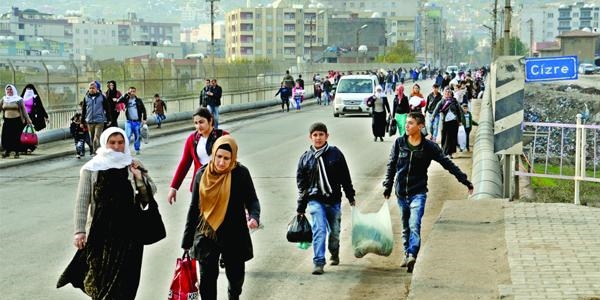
(409, 160)
(322, 172)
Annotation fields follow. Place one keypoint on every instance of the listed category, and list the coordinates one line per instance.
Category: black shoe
(5, 154)
(16, 154)
(410, 263)
(335, 260)
(381, 138)
(375, 139)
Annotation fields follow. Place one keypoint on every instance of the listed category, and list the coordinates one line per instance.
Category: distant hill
(149, 10)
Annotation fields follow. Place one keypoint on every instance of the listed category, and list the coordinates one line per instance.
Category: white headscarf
(14, 98)
(107, 158)
(378, 92)
(29, 94)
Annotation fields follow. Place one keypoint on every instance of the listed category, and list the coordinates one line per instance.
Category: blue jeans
(134, 127)
(159, 118)
(214, 109)
(325, 217)
(412, 209)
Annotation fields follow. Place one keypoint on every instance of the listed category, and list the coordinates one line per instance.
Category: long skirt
(11, 134)
(401, 123)
(450, 137)
(378, 124)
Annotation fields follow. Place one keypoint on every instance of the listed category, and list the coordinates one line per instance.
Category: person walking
(284, 93)
(450, 116)
(400, 109)
(468, 122)
(203, 94)
(288, 80)
(321, 174)
(432, 101)
(135, 112)
(197, 150)
(96, 112)
(160, 107)
(113, 95)
(381, 109)
(35, 107)
(217, 223)
(15, 117)
(406, 173)
(214, 100)
(112, 190)
(298, 94)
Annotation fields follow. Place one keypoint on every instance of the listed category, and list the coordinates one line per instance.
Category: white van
(351, 92)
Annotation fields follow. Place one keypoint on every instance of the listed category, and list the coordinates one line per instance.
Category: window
(550, 15)
(21, 26)
(269, 52)
(289, 28)
(575, 15)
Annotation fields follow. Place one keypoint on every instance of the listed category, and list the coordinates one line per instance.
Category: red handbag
(28, 136)
(184, 284)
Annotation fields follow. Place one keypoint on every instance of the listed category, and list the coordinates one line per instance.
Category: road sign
(551, 68)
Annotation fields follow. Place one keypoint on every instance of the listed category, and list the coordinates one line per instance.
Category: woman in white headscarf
(108, 261)
(380, 109)
(15, 117)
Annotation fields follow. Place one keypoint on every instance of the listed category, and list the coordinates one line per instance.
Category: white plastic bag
(145, 133)
(462, 138)
(372, 232)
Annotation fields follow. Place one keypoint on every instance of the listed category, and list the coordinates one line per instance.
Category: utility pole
(530, 21)
(507, 16)
(212, 35)
(495, 15)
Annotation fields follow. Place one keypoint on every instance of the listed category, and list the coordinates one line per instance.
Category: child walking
(298, 93)
(285, 93)
(160, 107)
(80, 135)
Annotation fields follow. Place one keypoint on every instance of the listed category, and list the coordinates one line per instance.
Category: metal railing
(563, 146)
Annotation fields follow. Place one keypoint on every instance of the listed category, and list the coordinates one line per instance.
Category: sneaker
(404, 261)
(78, 156)
(318, 270)
(410, 263)
(335, 260)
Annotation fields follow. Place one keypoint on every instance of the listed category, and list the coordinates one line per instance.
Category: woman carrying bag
(108, 261)
(217, 223)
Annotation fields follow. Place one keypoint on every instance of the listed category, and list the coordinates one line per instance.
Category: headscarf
(107, 158)
(28, 95)
(215, 188)
(379, 92)
(14, 98)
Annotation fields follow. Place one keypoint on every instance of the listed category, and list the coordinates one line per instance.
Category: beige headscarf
(215, 189)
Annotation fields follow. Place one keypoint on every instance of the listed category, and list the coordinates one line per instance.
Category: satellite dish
(586, 29)
(167, 42)
(45, 52)
(39, 39)
(362, 49)
(160, 55)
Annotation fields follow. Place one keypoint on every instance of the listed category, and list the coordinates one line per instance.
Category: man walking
(135, 111)
(214, 100)
(96, 112)
(409, 160)
(321, 174)
(203, 94)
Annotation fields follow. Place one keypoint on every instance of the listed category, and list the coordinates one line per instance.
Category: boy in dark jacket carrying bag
(322, 172)
(409, 160)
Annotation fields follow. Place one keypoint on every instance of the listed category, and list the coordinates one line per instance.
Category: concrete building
(87, 35)
(286, 33)
(580, 43)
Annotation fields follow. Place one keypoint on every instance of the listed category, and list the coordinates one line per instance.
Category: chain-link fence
(63, 84)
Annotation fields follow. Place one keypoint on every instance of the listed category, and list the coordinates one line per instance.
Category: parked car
(586, 69)
(351, 92)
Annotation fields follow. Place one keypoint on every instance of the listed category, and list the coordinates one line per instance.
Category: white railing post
(578, 151)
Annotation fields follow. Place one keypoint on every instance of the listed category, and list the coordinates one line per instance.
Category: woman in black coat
(451, 114)
(380, 109)
(217, 223)
(37, 113)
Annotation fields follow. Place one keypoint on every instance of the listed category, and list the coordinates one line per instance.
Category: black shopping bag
(299, 230)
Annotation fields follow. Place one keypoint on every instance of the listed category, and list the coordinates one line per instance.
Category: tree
(516, 47)
(400, 53)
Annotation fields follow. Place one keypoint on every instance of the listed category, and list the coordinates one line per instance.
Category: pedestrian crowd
(114, 187)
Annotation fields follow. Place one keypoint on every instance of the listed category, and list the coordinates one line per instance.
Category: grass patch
(550, 190)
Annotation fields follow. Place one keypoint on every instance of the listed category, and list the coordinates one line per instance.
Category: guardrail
(552, 145)
(487, 172)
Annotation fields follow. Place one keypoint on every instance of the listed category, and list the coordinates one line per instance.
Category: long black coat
(233, 236)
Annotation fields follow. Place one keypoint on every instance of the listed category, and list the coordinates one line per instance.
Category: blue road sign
(551, 68)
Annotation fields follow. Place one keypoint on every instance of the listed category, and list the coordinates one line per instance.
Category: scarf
(107, 158)
(323, 180)
(215, 189)
(14, 98)
(29, 94)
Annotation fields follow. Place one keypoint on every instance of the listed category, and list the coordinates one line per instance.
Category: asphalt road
(36, 216)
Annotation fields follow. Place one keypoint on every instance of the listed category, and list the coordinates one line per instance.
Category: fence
(62, 84)
(566, 146)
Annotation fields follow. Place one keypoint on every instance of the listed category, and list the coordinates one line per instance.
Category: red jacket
(190, 155)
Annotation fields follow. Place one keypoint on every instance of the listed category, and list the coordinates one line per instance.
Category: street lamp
(212, 35)
(357, 32)
(386, 43)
